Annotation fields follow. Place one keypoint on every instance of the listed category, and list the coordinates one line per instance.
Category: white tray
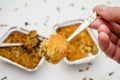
(90, 57)
(5, 35)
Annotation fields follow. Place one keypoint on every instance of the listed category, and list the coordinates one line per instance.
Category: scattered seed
(90, 63)
(58, 9)
(87, 68)
(16, 9)
(26, 4)
(85, 78)
(4, 78)
(108, 3)
(45, 24)
(91, 79)
(110, 74)
(71, 4)
(83, 8)
(26, 23)
(3, 25)
(81, 70)
(0, 9)
(44, 0)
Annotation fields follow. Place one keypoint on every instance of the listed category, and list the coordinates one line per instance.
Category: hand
(108, 27)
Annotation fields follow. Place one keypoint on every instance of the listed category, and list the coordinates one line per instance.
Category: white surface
(42, 15)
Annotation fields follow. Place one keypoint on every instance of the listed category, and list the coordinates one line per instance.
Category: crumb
(3, 25)
(0, 9)
(26, 4)
(58, 9)
(83, 8)
(4, 78)
(48, 17)
(91, 79)
(81, 70)
(85, 78)
(110, 74)
(45, 24)
(26, 23)
(44, 0)
(87, 68)
(90, 63)
(108, 3)
(16, 9)
(71, 4)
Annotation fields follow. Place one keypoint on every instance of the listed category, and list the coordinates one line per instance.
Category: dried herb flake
(16, 9)
(58, 9)
(4, 78)
(110, 74)
(26, 23)
(85, 78)
(81, 70)
(83, 8)
(87, 68)
(71, 4)
(91, 79)
(0, 9)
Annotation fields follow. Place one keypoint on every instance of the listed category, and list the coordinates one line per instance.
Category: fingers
(114, 27)
(105, 44)
(104, 41)
(112, 37)
(108, 13)
(116, 54)
(97, 23)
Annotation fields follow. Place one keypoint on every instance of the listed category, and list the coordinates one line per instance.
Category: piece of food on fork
(55, 48)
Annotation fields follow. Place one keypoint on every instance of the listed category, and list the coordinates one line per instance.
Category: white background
(42, 15)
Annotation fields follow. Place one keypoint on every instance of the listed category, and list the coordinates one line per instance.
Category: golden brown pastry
(55, 48)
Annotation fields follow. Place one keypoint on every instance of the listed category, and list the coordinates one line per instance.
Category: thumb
(108, 13)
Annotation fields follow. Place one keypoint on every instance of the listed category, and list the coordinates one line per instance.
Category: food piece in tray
(27, 55)
(80, 46)
(55, 48)
(28, 40)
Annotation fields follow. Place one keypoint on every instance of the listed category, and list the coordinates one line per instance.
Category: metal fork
(84, 25)
(10, 44)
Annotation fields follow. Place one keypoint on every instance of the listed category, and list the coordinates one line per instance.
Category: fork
(10, 44)
(84, 25)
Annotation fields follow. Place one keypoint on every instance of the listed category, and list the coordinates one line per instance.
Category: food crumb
(3, 25)
(85, 78)
(108, 3)
(4, 78)
(0, 9)
(44, 0)
(90, 63)
(58, 9)
(87, 68)
(45, 24)
(110, 74)
(26, 4)
(83, 8)
(26, 23)
(91, 79)
(71, 4)
(81, 70)
(16, 9)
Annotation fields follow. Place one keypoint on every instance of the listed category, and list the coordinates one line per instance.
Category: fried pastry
(55, 48)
